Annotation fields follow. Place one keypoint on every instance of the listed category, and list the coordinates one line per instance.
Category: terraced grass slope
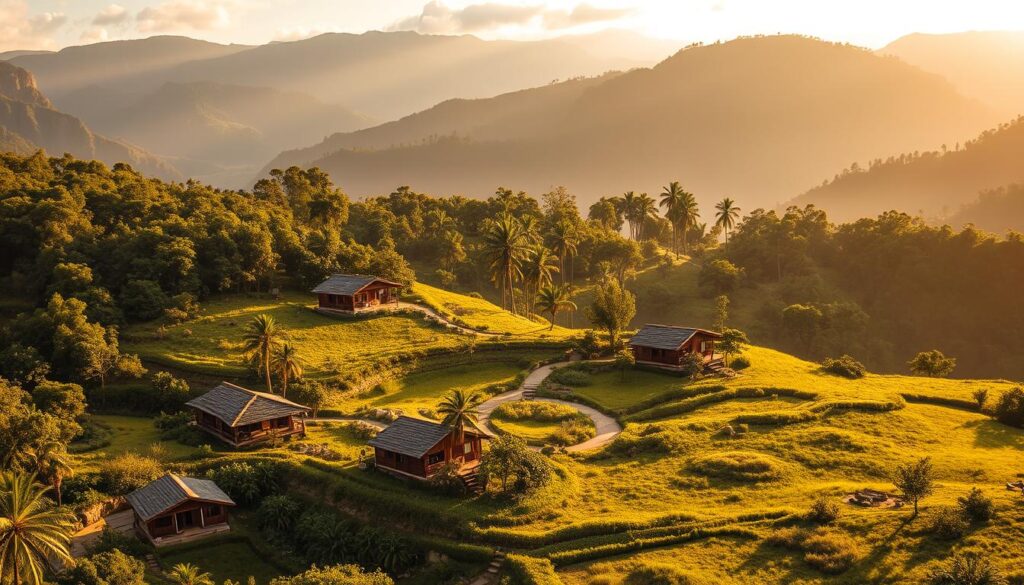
(482, 315)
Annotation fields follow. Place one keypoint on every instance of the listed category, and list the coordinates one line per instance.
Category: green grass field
(483, 315)
(235, 560)
(134, 434)
(613, 390)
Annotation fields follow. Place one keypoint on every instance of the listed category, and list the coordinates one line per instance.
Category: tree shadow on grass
(991, 434)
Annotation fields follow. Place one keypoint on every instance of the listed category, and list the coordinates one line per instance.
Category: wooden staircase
(471, 481)
(496, 562)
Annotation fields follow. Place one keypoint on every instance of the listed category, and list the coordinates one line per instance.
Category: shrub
(1010, 407)
(976, 506)
(660, 574)
(844, 366)
(574, 431)
(980, 398)
(106, 568)
(570, 377)
(649, 439)
(248, 483)
(969, 569)
(823, 511)
(791, 538)
(740, 363)
(128, 472)
(178, 427)
(111, 540)
(589, 345)
(537, 411)
(143, 300)
(948, 523)
(737, 466)
(830, 551)
(447, 481)
(335, 575)
(531, 570)
(278, 514)
(172, 393)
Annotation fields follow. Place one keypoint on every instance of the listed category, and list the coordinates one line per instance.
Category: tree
(933, 364)
(721, 312)
(727, 215)
(172, 393)
(52, 463)
(505, 244)
(553, 299)
(565, 238)
(31, 531)
(288, 365)
(106, 568)
(459, 409)
(719, 277)
(188, 574)
(509, 459)
(803, 321)
(645, 208)
(261, 338)
(671, 198)
(628, 205)
(1009, 408)
(624, 359)
(312, 394)
(335, 575)
(687, 214)
(537, 271)
(915, 480)
(732, 342)
(967, 569)
(613, 308)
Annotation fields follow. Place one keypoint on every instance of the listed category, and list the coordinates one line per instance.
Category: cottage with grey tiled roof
(665, 346)
(417, 448)
(176, 509)
(353, 293)
(241, 417)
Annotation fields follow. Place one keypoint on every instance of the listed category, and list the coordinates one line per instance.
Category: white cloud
(112, 14)
(21, 30)
(176, 15)
(436, 17)
(94, 34)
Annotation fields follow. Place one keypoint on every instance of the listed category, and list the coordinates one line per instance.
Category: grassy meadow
(482, 315)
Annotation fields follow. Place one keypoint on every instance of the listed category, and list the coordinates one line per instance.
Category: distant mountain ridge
(28, 122)
(756, 119)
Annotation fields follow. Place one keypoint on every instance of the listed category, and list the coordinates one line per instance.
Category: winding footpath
(607, 427)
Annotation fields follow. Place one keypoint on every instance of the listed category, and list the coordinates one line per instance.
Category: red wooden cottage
(240, 417)
(665, 346)
(352, 293)
(417, 448)
(176, 509)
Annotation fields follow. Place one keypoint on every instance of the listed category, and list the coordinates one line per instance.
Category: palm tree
(629, 201)
(504, 242)
(52, 464)
(565, 239)
(537, 271)
(645, 207)
(531, 231)
(671, 197)
(688, 214)
(32, 531)
(288, 365)
(459, 409)
(188, 574)
(262, 336)
(553, 300)
(727, 215)
(440, 221)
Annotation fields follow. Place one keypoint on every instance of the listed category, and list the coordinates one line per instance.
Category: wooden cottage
(417, 448)
(176, 509)
(665, 346)
(240, 417)
(353, 293)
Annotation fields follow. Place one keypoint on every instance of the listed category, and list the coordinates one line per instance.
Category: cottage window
(467, 448)
(435, 458)
(399, 458)
(213, 510)
(163, 521)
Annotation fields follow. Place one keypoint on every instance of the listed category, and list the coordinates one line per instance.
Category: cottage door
(185, 520)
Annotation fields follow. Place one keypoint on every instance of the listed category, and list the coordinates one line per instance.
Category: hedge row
(673, 394)
(970, 405)
(589, 554)
(531, 570)
(690, 404)
(529, 540)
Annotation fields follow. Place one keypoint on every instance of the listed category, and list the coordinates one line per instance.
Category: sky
(53, 24)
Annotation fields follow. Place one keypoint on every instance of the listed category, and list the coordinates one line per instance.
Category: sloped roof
(348, 284)
(410, 436)
(665, 336)
(170, 490)
(239, 406)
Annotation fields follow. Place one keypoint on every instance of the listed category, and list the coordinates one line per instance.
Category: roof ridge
(242, 410)
(184, 487)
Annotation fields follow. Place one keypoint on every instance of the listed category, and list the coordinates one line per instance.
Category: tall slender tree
(727, 215)
(554, 299)
(505, 243)
(52, 463)
(688, 214)
(538, 269)
(288, 365)
(671, 198)
(32, 531)
(645, 208)
(459, 409)
(629, 203)
(261, 338)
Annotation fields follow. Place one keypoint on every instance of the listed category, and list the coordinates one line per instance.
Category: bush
(660, 574)
(740, 363)
(107, 568)
(532, 570)
(143, 300)
(128, 472)
(172, 393)
(177, 427)
(737, 466)
(536, 411)
(447, 481)
(969, 569)
(824, 511)
(976, 506)
(1010, 407)
(844, 366)
(948, 523)
(651, 439)
(336, 575)
(111, 540)
(248, 483)
(570, 377)
(589, 345)
(278, 513)
(830, 551)
(574, 431)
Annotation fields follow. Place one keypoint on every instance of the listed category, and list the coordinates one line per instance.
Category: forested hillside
(935, 183)
(760, 104)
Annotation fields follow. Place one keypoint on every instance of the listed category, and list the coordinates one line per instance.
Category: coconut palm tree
(565, 238)
(553, 300)
(727, 215)
(288, 365)
(531, 228)
(261, 338)
(459, 409)
(439, 221)
(689, 213)
(671, 197)
(52, 464)
(629, 201)
(645, 207)
(32, 531)
(537, 271)
(188, 574)
(505, 244)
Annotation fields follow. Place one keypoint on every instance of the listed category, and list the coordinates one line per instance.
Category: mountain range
(758, 119)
